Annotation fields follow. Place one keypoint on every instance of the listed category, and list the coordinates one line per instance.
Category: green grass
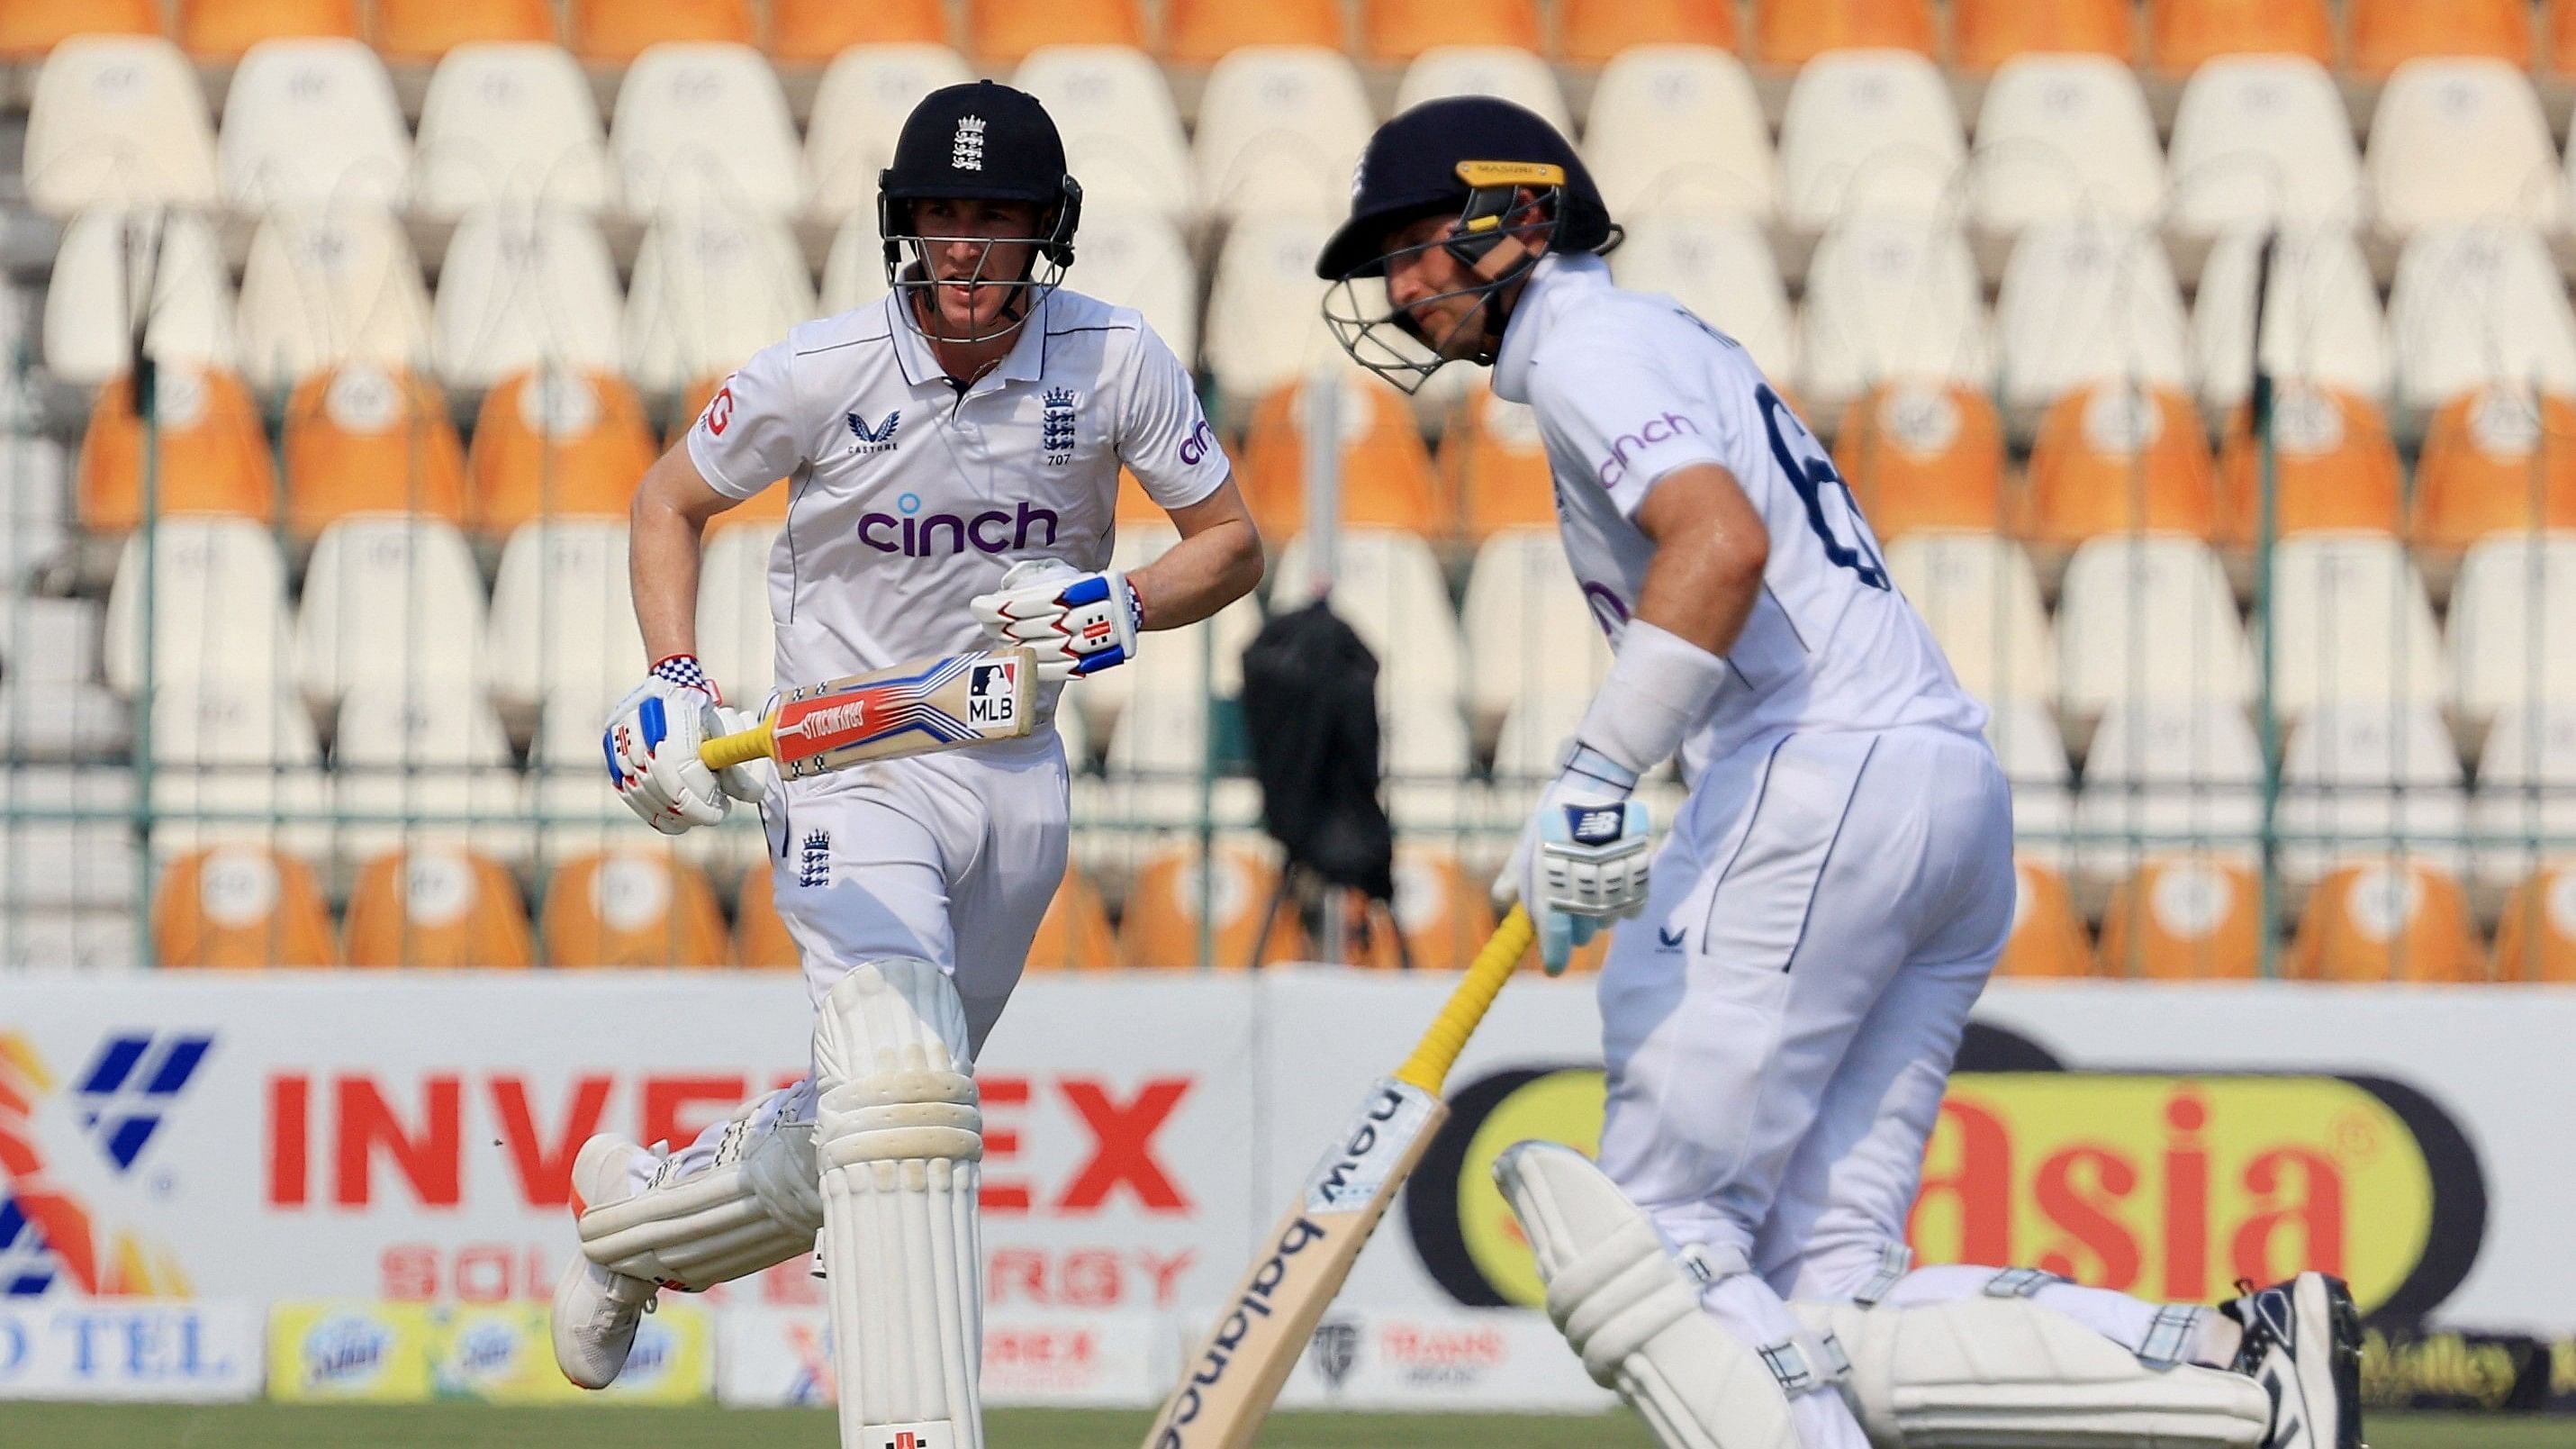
(265, 1426)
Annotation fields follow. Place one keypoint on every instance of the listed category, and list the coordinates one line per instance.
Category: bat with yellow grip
(1234, 1376)
(910, 709)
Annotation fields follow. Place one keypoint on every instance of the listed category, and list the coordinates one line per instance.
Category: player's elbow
(1249, 563)
(1738, 556)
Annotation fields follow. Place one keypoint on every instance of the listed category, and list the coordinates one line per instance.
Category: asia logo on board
(2165, 1184)
(72, 1151)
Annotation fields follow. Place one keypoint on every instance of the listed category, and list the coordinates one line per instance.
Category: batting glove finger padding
(1582, 859)
(652, 744)
(1077, 623)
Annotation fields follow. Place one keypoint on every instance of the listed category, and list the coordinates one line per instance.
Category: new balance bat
(1231, 1380)
(909, 709)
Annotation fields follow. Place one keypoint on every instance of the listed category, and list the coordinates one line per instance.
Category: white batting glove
(652, 744)
(1582, 860)
(1078, 623)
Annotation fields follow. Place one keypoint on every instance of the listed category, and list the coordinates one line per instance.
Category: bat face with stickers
(1229, 1382)
(946, 703)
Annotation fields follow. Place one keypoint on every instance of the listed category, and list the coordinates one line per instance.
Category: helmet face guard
(1387, 339)
(910, 276)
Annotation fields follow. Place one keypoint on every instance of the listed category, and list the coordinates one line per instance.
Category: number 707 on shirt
(945, 703)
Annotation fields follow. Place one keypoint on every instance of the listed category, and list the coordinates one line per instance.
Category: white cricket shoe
(2303, 1345)
(596, 1311)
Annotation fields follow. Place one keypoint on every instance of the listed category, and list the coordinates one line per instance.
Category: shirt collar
(1025, 362)
(1557, 276)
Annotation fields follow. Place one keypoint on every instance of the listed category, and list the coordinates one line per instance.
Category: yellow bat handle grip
(739, 748)
(1438, 1050)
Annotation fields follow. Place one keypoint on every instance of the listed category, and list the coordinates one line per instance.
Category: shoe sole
(2325, 1297)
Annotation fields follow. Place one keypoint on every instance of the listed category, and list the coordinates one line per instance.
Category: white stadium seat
(737, 638)
(1485, 70)
(1869, 132)
(313, 121)
(1719, 267)
(711, 288)
(2082, 304)
(2479, 304)
(1387, 586)
(2513, 623)
(2263, 139)
(2461, 139)
(34, 504)
(1141, 261)
(1980, 596)
(510, 123)
(2149, 617)
(327, 287)
(1527, 628)
(1279, 129)
(54, 864)
(1187, 662)
(2373, 777)
(2166, 777)
(2032, 752)
(2322, 323)
(2066, 138)
(1122, 135)
(1892, 297)
(392, 604)
(703, 126)
(519, 289)
(235, 760)
(118, 120)
(103, 261)
(854, 269)
(425, 753)
(218, 596)
(2526, 791)
(1678, 128)
(858, 109)
(562, 630)
(2352, 622)
(1264, 329)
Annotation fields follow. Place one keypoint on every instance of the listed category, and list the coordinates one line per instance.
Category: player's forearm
(1200, 574)
(663, 546)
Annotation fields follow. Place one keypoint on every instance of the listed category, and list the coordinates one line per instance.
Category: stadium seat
(2369, 778)
(1980, 596)
(1122, 134)
(362, 439)
(2380, 921)
(392, 605)
(2513, 623)
(424, 31)
(2185, 919)
(1208, 32)
(2561, 42)
(327, 287)
(632, 908)
(1510, 71)
(313, 123)
(1386, 473)
(2111, 458)
(1002, 32)
(2352, 622)
(1075, 934)
(1720, 267)
(31, 28)
(2536, 939)
(2321, 321)
(1142, 261)
(711, 288)
(1599, 32)
(1986, 33)
(2526, 794)
(760, 938)
(217, 596)
(1792, 33)
(1867, 132)
(618, 32)
(2333, 467)
(1280, 129)
(2263, 139)
(2495, 461)
(553, 443)
(239, 907)
(1164, 910)
(1493, 467)
(1264, 327)
(1155, 763)
(519, 289)
(2066, 138)
(1388, 587)
(1677, 128)
(2088, 304)
(234, 760)
(1924, 454)
(2388, 33)
(561, 625)
(102, 263)
(1441, 908)
(703, 127)
(510, 124)
(213, 455)
(815, 32)
(2032, 751)
(420, 762)
(737, 639)
(437, 907)
(117, 120)
(54, 703)
(2479, 304)
(226, 29)
(2047, 940)
(2167, 777)
(854, 269)
(2148, 616)
(858, 109)
(2183, 34)
(2463, 140)
(1403, 30)
(1888, 298)
(1528, 626)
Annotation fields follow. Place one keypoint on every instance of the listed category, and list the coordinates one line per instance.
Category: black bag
(1310, 716)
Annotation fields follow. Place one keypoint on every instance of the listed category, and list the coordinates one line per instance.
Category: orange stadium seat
(1986, 33)
(760, 938)
(363, 440)
(2536, 940)
(1590, 32)
(1075, 934)
(2489, 468)
(214, 455)
(1924, 455)
(2388, 33)
(2106, 464)
(1399, 30)
(2562, 36)
(1135, 505)
(643, 907)
(29, 28)
(579, 452)
(619, 30)
(424, 30)
(1493, 465)
(1386, 472)
(437, 907)
(1200, 32)
(2388, 920)
(241, 906)
(2333, 467)
(2185, 919)
(1162, 924)
(224, 29)
(2047, 939)
(1005, 31)
(1793, 32)
(2182, 34)
(1444, 912)
(811, 32)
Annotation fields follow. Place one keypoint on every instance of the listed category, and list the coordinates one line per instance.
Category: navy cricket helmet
(980, 141)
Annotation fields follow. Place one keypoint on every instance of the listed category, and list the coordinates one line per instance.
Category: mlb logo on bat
(992, 700)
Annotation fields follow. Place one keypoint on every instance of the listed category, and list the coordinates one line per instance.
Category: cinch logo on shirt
(1659, 430)
(1196, 445)
(915, 535)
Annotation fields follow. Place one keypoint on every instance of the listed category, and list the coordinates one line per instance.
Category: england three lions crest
(1056, 426)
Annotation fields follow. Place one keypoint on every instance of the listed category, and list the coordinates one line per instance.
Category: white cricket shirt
(1629, 386)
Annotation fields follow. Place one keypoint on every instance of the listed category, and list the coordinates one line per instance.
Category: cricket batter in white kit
(952, 455)
(1780, 1021)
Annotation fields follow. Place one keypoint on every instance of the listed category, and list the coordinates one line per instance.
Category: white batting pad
(900, 1144)
(755, 1205)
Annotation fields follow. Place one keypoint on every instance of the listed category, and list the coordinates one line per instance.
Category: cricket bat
(1235, 1374)
(907, 709)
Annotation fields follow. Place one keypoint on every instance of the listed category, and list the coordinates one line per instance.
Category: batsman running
(952, 458)
(1779, 1024)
